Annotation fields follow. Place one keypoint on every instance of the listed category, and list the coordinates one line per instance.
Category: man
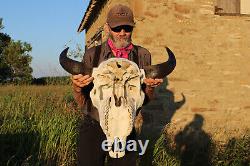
(120, 24)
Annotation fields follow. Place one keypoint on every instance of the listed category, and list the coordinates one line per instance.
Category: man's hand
(152, 82)
(80, 81)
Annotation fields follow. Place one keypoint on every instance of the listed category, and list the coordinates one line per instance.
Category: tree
(78, 52)
(1, 23)
(14, 60)
(4, 41)
(4, 38)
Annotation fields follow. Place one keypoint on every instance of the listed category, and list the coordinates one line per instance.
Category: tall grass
(236, 152)
(163, 154)
(36, 127)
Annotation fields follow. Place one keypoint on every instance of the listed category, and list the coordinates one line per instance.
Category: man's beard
(120, 42)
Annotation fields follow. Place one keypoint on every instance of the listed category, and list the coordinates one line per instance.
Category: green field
(38, 126)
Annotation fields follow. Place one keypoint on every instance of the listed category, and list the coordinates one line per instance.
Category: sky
(48, 25)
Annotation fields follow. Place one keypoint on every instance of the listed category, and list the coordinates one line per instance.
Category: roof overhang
(91, 14)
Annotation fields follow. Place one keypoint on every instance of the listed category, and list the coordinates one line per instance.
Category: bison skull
(117, 90)
(117, 94)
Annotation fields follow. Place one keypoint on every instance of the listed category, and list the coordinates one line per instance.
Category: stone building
(211, 41)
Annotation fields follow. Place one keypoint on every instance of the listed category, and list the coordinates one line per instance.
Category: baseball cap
(120, 15)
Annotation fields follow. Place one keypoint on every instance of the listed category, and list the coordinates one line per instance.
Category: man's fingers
(90, 79)
(80, 77)
(148, 81)
(86, 80)
(159, 80)
(81, 80)
(153, 82)
(75, 77)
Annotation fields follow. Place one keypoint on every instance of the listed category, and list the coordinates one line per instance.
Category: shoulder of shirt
(143, 51)
(91, 51)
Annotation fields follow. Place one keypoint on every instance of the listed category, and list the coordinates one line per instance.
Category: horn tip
(168, 49)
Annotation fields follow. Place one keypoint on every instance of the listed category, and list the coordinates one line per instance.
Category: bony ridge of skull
(117, 94)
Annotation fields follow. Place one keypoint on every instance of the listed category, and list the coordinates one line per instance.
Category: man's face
(121, 35)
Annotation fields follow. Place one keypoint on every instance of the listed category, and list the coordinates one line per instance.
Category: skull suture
(117, 94)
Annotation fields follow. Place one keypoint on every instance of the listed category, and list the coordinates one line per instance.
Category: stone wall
(213, 62)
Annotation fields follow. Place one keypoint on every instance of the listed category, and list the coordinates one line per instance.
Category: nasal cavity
(118, 102)
(118, 65)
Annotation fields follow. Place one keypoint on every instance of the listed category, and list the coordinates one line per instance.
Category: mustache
(120, 42)
(122, 38)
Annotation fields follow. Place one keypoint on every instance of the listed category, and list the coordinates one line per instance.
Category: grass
(163, 153)
(236, 152)
(38, 127)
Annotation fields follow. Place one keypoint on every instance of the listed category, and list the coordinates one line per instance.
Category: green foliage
(5, 70)
(18, 60)
(1, 24)
(60, 80)
(14, 60)
(4, 41)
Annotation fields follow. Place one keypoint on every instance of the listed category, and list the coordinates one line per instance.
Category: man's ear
(106, 28)
(106, 31)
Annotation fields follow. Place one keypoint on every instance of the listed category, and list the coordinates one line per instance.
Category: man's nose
(122, 33)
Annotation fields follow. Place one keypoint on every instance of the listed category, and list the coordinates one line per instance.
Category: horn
(163, 69)
(72, 66)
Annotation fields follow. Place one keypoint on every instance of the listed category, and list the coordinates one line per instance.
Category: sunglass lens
(116, 29)
(126, 28)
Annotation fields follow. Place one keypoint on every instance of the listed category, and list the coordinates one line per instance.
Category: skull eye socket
(104, 79)
(131, 87)
(106, 86)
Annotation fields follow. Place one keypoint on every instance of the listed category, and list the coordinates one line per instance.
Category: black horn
(163, 69)
(72, 66)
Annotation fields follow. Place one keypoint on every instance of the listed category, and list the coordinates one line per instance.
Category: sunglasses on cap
(126, 28)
